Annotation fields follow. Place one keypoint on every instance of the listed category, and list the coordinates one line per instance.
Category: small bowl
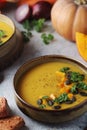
(10, 48)
(10, 43)
(45, 115)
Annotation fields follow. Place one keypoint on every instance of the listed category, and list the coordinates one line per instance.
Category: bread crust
(8, 121)
(4, 108)
(12, 123)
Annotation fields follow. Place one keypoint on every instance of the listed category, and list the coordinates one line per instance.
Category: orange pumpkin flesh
(81, 41)
(68, 18)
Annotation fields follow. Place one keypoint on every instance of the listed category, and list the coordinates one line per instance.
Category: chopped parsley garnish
(26, 24)
(42, 106)
(78, 86)
(36, 25)
(81, 85)
(32, 25)
(26, 35)
(45, 97)
(74, 89)
(73, 76)
(69, 84)
(47, 38)
(65, 69)
(76, 77)
(62, 98)
(27, 32)
(2, 35)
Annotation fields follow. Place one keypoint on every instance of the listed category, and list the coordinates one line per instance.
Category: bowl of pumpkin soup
(10, 41)
(51, 88)
(7, 34)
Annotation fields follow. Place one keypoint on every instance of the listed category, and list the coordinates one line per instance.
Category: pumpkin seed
(39, 101)
(68, 102)
(83, 93)
(68, 82)
(50, 102)
(57, 107)
(71, 101)
(68, 74)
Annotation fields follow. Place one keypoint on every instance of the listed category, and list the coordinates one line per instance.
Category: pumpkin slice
(81, 41)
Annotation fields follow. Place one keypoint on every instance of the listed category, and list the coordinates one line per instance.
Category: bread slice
(12, 123)
(4, 108)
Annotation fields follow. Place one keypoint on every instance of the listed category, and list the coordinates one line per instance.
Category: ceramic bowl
(12, 46)
(51, 116)
(10, 43)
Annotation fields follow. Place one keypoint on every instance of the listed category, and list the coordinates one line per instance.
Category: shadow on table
(76, 124)
(85, 128)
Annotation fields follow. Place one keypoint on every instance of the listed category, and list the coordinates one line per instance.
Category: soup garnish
(70, 84)
(53, 85)
(2, 35)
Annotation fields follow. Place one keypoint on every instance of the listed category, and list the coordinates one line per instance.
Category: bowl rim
(14, 30)
(76, 107)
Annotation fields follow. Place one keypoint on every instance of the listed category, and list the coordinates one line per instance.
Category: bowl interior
(8, 32)
(48, 115)
(7, 20)
(37, 61)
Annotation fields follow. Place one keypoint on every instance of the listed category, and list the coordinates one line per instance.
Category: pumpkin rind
(68, 18)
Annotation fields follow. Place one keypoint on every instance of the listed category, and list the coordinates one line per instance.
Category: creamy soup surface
(6, 32)
(42, 81)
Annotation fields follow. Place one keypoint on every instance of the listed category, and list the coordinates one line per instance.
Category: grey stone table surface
(35, 48)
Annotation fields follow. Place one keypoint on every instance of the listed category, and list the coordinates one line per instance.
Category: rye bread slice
(4, 108)
(12, 123)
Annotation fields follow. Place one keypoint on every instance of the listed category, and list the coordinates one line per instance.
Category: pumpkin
(69, 17)
(81, 42)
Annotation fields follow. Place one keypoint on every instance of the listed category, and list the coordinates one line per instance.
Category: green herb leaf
(42, 106)
(27, 25)
(26, 35)
(50, 37)
(76, 77)
(65, 69)
(38, 24)
(74, 89)
(62, 98)
(81, 85)
(34, 24)
(30, 25)
(45, 97)
(2, 33)
(47, 38)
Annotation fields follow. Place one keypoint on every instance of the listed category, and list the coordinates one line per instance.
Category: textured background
(33, 49)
